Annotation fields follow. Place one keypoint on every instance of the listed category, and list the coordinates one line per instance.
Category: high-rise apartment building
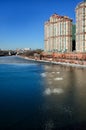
(81, 27)
(58, 34)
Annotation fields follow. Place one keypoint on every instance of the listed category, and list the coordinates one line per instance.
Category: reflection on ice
(58, 78)
(49, 91)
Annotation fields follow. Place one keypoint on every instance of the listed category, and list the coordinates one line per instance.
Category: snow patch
(58, 78)
(49, 91)
(53, 72)
(58, 72)
(43, 74)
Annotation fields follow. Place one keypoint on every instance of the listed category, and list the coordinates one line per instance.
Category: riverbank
(54, 62)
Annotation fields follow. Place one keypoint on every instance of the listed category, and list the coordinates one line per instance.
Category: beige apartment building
(81, 27)
(58, 34)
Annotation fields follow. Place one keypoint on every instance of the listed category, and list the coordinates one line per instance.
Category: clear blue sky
(22, 21)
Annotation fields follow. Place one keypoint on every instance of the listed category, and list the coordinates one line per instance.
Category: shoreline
(54, 62)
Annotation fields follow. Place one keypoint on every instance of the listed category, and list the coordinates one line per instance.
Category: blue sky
(22, 21)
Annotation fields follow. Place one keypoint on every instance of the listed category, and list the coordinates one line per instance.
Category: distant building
(9, 53)
(58, 34)
(26, 49)
(81, 27)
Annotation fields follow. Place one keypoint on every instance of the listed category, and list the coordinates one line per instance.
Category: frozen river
(37, 96)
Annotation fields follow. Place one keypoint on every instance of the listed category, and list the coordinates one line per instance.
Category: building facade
(81, 27)
(58, 34)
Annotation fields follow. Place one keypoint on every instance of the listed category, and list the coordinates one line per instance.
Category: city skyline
(22, 22)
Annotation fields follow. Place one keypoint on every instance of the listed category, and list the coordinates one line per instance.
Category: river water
(41, 96)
